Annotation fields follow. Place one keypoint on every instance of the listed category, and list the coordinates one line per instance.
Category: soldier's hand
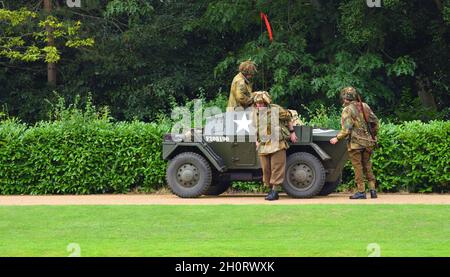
(293, 137)
(333, 140)
(257, 145)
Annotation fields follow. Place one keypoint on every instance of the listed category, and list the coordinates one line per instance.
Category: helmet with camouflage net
(349, 93)
(247, 67)
(262, 97)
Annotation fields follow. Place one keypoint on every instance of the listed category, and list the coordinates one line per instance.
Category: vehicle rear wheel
(330, 187)
(305, 175)
(188, 175)
(218, 186)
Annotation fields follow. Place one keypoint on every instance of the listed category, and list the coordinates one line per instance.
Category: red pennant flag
(266, 21)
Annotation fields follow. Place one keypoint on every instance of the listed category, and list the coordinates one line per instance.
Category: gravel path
(230, 199)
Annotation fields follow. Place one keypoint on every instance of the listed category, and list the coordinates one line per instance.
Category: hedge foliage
(82, 155)
(414, 156)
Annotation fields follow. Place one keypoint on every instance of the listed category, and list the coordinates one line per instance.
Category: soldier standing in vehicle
(272, 149)
(359, 125)
(241, 87)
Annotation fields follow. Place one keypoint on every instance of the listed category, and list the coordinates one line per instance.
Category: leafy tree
(150, 55)
(26, 36)
(321, 46)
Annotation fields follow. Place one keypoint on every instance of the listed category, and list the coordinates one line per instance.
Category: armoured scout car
(204, 163)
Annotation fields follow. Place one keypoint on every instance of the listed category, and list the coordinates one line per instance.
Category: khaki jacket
(240, 93)
(266, 143)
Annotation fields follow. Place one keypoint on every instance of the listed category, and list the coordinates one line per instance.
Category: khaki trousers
(362, 165)
(273, 167)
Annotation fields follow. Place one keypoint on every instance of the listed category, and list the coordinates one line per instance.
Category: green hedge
(79, 157)
(98, 156)
(412, 157)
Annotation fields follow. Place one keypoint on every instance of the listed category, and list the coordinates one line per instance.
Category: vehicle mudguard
(170, 148)
(322, 154)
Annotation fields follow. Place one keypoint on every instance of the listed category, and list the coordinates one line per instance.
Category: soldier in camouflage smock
(241, 87)
(272, 146)
(359, 125)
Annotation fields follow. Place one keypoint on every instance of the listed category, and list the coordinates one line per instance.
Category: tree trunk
(425, 94)
(51, 67)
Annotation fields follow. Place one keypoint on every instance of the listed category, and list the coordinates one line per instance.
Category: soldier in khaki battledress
(359, 127)
(272, 149)
(241, 87)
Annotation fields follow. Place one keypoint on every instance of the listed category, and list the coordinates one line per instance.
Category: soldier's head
(261, 99)
(349, 94)
(248, 68)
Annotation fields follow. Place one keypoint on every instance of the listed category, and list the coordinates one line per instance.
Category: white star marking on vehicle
(243, 123)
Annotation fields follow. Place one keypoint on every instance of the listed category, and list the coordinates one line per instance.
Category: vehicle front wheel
(330, 187)
(188, 175)
(305, 175)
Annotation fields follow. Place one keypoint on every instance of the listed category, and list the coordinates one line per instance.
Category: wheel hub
(301, 176)
(187, 175)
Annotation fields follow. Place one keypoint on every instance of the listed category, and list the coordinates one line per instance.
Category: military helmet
(349, 93)
(247, 67)
(262, 97)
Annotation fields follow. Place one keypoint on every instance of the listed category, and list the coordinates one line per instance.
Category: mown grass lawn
(226, 230)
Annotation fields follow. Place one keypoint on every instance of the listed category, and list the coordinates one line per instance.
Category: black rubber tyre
(218, 186)
(188, 175)
(305, 175)
(330, 187)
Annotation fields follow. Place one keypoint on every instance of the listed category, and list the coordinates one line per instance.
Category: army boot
(273, 195)
(373, 193)
(358, 195)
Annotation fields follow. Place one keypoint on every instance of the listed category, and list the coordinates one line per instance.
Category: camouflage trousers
(362, 165)
(273, 167)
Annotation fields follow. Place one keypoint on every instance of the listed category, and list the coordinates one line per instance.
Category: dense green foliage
(151, 54)
(13, 39)
(412, 156)
(82, 151)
